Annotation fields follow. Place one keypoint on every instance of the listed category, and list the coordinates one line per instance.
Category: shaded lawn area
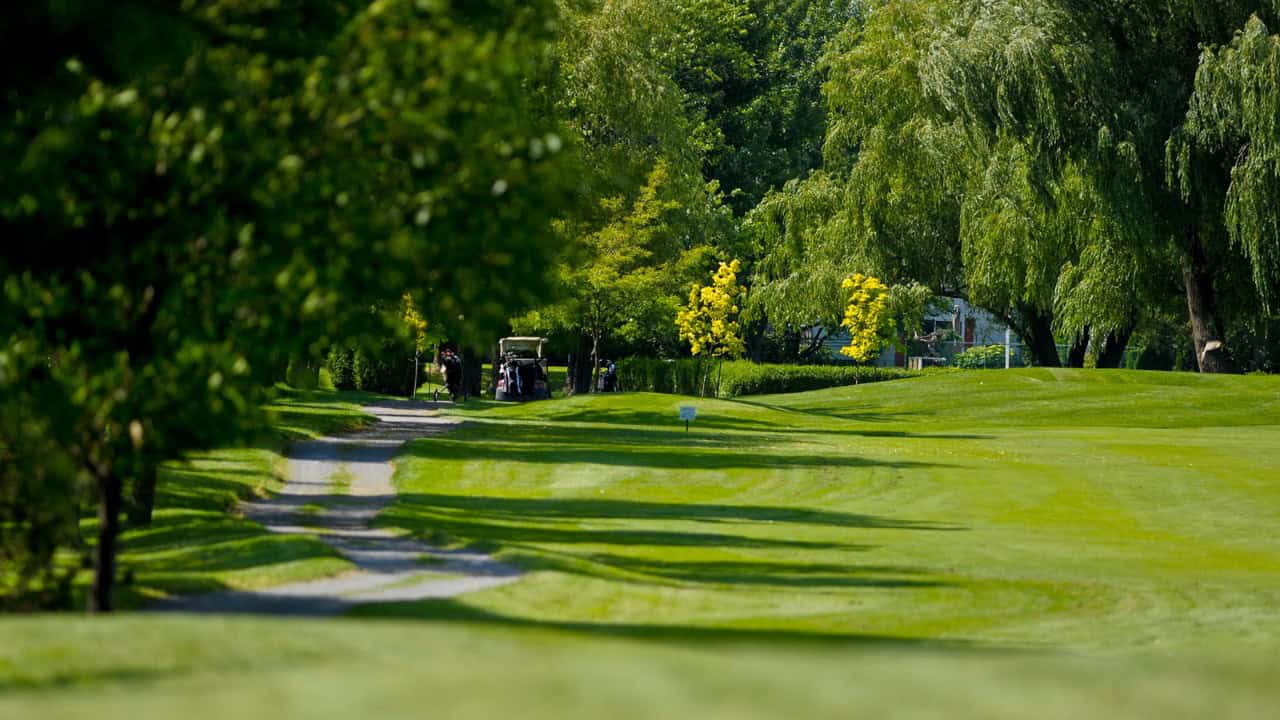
(148, 668)
(197, 543)
(1036, 508)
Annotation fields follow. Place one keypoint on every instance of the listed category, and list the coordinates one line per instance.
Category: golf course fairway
(1063, 543)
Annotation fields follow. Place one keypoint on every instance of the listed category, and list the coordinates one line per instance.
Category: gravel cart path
(336, 487)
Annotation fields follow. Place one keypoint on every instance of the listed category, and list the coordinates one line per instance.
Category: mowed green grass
(1035, 509)
(1048, 543)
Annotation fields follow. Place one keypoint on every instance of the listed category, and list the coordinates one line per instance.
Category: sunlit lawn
(1035, 509)
(1036, 543)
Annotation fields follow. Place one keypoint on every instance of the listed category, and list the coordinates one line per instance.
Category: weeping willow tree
(1073, 167)
(1231, 133)
(1089, 92)
(857, 215)
(909, 193)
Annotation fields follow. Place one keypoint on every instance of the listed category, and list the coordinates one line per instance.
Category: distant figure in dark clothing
(451, 366)
(608, 376)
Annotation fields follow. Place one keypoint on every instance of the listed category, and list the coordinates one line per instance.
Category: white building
(943, 335)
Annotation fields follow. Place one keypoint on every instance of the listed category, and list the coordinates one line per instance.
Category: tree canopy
(184, 219)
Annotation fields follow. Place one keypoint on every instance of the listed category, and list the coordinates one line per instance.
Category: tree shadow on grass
(229, 549)
(80, 677)
(668, 426)
(844, 411)
(490, 532)
(761, 573)
(576, 509)
(549, 534)
(555, 445)
(530, 527)
(454, 611)
(192, 536)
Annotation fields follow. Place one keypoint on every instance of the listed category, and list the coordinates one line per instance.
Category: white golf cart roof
(527, 344)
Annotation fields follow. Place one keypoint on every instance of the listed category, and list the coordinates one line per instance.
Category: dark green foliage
(740, 378)
(757, 80)
(194, 193)
(1069, 166)
(303, 374)
(39, 512)
(340, 366)
(387, 369)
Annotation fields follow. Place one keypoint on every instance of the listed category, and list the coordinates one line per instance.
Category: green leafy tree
(198, 194)
(1230, 137)
(1088, 94)
(888, 199)
(617, 276)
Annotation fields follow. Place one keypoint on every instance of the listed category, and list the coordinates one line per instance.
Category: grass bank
(198, 543)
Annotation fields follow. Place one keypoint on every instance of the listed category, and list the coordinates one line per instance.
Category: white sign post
(687, 414)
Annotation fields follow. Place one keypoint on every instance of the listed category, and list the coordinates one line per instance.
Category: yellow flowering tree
(415, 322)
(709, 323)
(418, 326)
(866, 317)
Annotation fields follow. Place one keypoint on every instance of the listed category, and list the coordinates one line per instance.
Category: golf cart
(522, 371)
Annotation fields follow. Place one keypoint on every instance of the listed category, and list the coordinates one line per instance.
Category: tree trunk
(1039, 337)
(472, 373)
(1112, 353)
(579, 380)
(595, 362)
(142, 500)
(791, 341)
(110, 490)
(495, 367)
(755, 340)
(1079, 349)
(1206, 328)
(413, 389)
(815, 344)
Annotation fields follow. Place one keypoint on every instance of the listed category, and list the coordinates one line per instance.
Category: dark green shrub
(388, 370)
(739, 377)
(340, 366)
(303, 374)
(744, 378)
(39, 506)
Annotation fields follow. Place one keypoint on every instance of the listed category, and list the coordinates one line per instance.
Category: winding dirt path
(336, 487)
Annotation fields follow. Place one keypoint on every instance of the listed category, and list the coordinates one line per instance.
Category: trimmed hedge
(739, 377)
(981, 357)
